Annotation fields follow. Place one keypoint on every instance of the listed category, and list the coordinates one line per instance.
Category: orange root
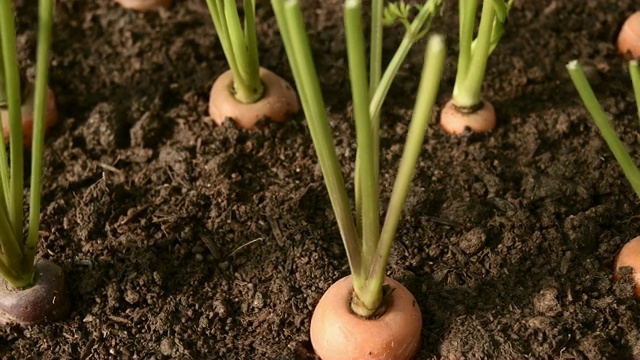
(629, 37)
(454, 121)
(338, 334)
(278, 102)
(629, 256)
(144, 5)
(50, 119)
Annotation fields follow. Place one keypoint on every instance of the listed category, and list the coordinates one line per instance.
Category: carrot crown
(473, 56)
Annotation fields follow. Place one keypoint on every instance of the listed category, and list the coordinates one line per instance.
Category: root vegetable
(629, 256)
(45, 301)
(454, 120)
(144, 5)
(629, 37)
(339, 334)
(466, 109)
(358, 317)
(278, 101)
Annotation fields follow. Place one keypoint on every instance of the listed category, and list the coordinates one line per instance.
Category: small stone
(258, 301)
(472, 241)
(131, 296)
(166, 347)
(546, 301)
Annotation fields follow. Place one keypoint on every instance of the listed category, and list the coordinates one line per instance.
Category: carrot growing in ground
(629, 255)
(364, 315)
(467, 109)
(629, 37)
(247, 92)
(144, 5)
(31, 291)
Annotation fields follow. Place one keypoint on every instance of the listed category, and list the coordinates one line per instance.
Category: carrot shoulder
(144, 5)
(278, 101)
(629, 37)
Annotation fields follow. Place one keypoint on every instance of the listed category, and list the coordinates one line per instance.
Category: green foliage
(602, 122)
(367, 245)
(240, 46)
(17, 256)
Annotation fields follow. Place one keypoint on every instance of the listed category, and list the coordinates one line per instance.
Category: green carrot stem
(427, 92)
(8, 40)
(289, 18)
(467, 15)
(45, 25)
(375, 70)
(3, 85)
(467, 93)
(634, 70)
(600, 118)
(4, 166)
(217, 10)
(417, 28)
(252, 45)
(359, 93)
(240, 52)
(419, 25)
(375, 46)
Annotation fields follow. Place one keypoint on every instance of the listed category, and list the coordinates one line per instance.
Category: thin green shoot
(17, 256)
(474, 54)
(414, 31)
(602, 122)
(292, 30)
(240, 47)
(375, 45)
(634, 70)
(367, 255)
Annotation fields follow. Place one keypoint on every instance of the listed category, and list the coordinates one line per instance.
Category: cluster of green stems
(367, 245)
(474, 54)
(240, 47)
(17, 256)
(589, 99)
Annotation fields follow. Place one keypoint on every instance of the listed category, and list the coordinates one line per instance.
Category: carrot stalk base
(278, 102)
(46, 301)
(338, 333)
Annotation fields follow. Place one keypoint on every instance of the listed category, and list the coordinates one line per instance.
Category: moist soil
(182, 239)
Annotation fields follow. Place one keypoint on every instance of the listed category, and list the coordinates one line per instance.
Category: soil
(182, 239)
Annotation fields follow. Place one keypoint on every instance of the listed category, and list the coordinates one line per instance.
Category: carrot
(44, 301)
(455, 121)
(50, 119)
(144, 5)
(278, 101)
(393, 335)
(30, 292)
(366, 315)
(246, 93)
(467, 109)
(629, 37)
(629, 256)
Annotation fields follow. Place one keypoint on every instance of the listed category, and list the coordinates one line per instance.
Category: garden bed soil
(186, 240)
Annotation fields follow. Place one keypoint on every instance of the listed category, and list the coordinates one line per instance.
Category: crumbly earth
(186, 240)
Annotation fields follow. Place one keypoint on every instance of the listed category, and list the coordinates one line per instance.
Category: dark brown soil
(186, 240)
